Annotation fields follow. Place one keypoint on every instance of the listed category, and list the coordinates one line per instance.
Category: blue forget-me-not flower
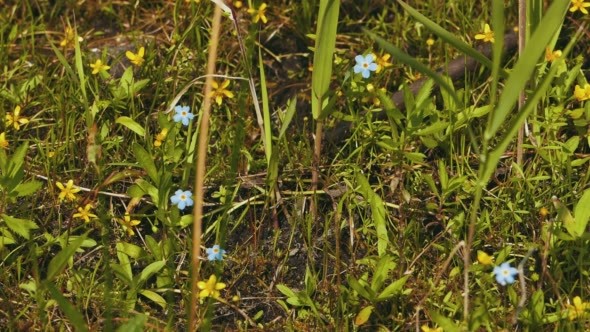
(182, 199)
(215, 253)
(183, 114)
(365, 65)
(505, 274)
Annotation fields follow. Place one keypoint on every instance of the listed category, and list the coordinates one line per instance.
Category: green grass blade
(325, 43)
(265, 109)
(59, 262)
(447, 36)
(73, 315)
(495, 155)
(498, 24)
(378, 212)
(525, 65)
(403, 57)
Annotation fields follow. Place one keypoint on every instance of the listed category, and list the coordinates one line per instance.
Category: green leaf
(377, 212)
(150, 270)
(59, 262)
(325, 44)
(131, 125)
(363, 316)
(446, 323)
(286, 290)
(155, 297)
(523, 70)
(28, 188)
(74, 316)
(394, 289)
(146, 161)
(265, 109)
(360, 289)
(288, 116)
(135, 324)
(582, 214)
(21, 227)
(564, 216)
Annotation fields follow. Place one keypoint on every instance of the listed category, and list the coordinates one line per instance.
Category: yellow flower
(582, 94)
(487, 35)
(382, 62)
(136, 59)
(211, 287)
(426, 328)
(238, 4)
(128, 224)
(220, 91)
(543, 212)
(98, 66)
(69, 35)
(15, 119)
(579, 5)
(484, 258)
(430, 42)
(578, 309)
(160, 137)
(552, 56)
(3, 141)
(84, 213)
(258, 14)
(68, 191)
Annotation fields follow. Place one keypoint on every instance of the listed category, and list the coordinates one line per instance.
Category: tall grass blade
(265, 109)
(325, 44)
(73, 315)
(525, 65)
(447, 36)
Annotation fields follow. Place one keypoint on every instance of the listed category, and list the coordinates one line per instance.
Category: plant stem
(200, 172)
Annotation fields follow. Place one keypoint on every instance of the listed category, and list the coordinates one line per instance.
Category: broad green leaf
(377, 212)
(447, 36)
(131, 125)
(565, 216)
(27, 188)
(523, 70)
(146, 161)
(74, 316)
(286, 290)
(381, 274)
(125, 264)
(434, 128)
(16, 161)
(131, 250)
(155, 297)
(582, 214)
(59, 262)
(21, 227)
(393, 289)
(363, 316)
(360, 289)
(325, 44)
(446, 323)
(150, 270)
(135, 324)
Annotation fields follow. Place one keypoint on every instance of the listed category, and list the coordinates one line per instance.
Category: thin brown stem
(201, 164)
